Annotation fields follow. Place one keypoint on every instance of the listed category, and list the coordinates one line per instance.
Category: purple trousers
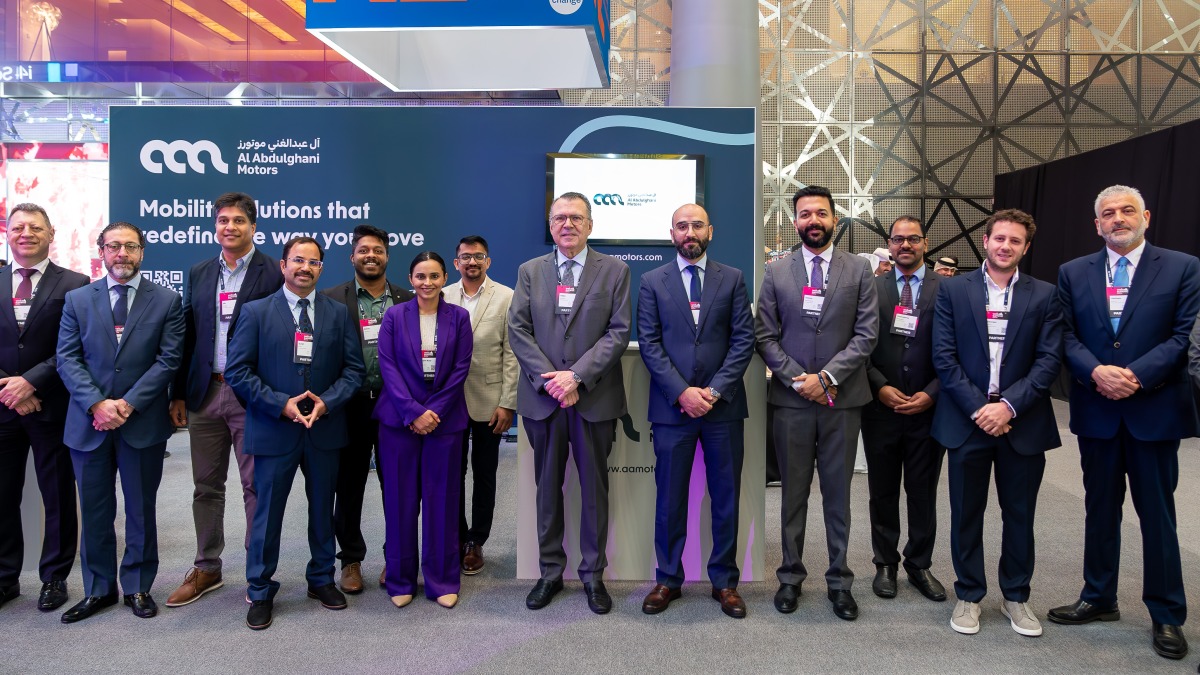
(421, 473)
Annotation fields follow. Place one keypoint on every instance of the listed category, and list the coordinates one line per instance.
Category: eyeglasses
(115, 247)
(685, 225)
(301, 262)
(912, 239)
(562, 218)
(468, 257)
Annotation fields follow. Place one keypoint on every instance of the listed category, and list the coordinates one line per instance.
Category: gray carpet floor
(491, 631)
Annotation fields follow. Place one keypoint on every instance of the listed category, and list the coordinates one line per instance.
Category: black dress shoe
(329, 595)
(89, 606)
(1169, 641)
(928, 584)
(543, 592)
(9, 592)
(53, 595)
(1083, 612)
(258, 617)
(597, 596)
(844, 605)
(142, 605)
(787, 598)
(885, 581)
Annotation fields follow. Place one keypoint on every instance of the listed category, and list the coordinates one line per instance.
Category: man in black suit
(34, 406)
(897, 421)
(997, 349)
(367, 296)
(216, 291)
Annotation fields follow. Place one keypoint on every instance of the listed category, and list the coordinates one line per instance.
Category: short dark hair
(472, 240)
(1013, 216)
(905, 219)
(30, 207)
(366, 230)
(812, 191)
(118, 225)
(287, 248)
(575, 195)
(239, 200)
(426, 255)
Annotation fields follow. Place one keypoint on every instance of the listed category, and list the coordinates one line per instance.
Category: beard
(692, 248)
(362, 271)
(124, 271)
(816, 237)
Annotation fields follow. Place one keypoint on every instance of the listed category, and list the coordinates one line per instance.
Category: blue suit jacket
(405, 395)
(263, 278)
(679, 353)
(1151, 340)
(259, 368)
(1030, 361)
(94, 367)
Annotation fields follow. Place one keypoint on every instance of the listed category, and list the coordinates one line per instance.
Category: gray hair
(1116, 191)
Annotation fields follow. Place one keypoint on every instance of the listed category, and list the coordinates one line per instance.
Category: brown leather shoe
(472, 560)
(196, 583)
(659, 598)
(731, 602)
(351, 578)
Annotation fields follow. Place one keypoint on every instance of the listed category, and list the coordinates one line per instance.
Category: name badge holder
(21, 307)
(565, 299)
(302, 348)
(904, 321)
(227, 300)
(370, 331)
(429, 359)
(814, 301)
(997, 325)
(119, 329)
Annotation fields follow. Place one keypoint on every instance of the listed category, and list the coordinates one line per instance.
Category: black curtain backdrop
(1164, 166)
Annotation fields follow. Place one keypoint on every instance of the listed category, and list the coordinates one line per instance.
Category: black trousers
(56, 480)
(484, 448)
(353, 467)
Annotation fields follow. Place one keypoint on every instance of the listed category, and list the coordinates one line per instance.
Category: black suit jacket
(903, 362)
(263, 277)
(30, 352)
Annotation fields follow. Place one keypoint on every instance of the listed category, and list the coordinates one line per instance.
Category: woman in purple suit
(424, 354)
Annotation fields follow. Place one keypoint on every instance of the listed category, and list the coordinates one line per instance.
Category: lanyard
(987, 294)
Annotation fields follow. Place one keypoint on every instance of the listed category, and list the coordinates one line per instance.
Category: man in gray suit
(568, 326)
(817, 324)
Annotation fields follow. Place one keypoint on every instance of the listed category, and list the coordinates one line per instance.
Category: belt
(993, 398)
(218, 378)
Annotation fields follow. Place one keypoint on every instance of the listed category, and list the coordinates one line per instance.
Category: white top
(428, 332)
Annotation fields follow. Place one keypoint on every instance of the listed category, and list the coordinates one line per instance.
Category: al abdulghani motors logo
(566, 6)
(607, 200)
(170, 153)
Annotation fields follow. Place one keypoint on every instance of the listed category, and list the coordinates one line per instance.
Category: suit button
(118, 370)
(818, 331)
(1116, 345)
(21, 345)
(906, 369)
(567, 336)
(906, 345)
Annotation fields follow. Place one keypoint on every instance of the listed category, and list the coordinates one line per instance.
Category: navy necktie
(305, 322)
(121, 307)
(694, 285)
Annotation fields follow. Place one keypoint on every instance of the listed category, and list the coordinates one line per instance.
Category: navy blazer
(259, 368)
(29, 352)
(405, 395)
(1030, 362)
(263, 278)
(679, 353)
(1151, 340)
(139, 369)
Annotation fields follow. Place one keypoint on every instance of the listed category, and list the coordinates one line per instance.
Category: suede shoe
(787, 598)
(196, 583)
(142, 604)
(1021, 616)
(53, 595)
(885, 581)
(258, 617)
(1082, 612)
(597, 597)
(543, 592)
(965, 619)
(659, 598)
(329, 595)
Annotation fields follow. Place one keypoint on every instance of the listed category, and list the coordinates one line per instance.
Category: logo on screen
(566, 6)
(170, 156)
(608, 200)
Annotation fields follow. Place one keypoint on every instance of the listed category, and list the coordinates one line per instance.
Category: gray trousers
(219, 423)
(827, 438)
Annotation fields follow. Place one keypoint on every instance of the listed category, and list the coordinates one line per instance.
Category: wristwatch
(714, 393)
(575, 376)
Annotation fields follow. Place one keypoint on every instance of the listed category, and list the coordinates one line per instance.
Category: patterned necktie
(816, 280)
(568, 273)
(121, 307)
(906, 299)
(1120, 280)
(25, 288)
(305, 322)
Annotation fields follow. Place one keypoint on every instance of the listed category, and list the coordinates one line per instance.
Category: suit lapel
(1143, 279)
(673, 280)
(285, 312)
(890, 297)
(7, 316)
(442, 329)
(927, 291)
(481, 308)
(800, 275)
(977, 295)
(591, 270)
(412, 320)
(837, 265)
(708, 291)
(254, 270)
(103, 309)
(1016, 313)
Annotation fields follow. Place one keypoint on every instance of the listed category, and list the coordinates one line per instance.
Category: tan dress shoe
(352, 578)
(448, 600)
(196, 583)
(401, 600)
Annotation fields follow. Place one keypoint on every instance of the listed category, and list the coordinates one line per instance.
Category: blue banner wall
(426, 175)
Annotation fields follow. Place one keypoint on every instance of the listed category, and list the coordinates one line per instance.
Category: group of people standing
(931, 367)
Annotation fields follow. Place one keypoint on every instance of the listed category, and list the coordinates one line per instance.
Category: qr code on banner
(172, 279)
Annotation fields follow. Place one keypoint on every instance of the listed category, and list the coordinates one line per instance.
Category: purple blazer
(405, 395)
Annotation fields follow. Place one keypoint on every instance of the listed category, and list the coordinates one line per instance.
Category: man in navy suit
(295, 360)
(33, 406)
(697, 338)
(1128, 310)
(216, 291)
(119, 346)
(997, 348)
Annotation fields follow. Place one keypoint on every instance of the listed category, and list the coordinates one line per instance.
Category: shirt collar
(241, 262)
(919, 274)
(132, 283)
(580, 257)
(40, 267)
(359, 289)
(991, 284)
(684, 263)
(826, 256)
(292, 298)
(1134, 256)
(463, 289)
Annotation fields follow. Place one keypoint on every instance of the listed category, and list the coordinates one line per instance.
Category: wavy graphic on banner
(650, 124)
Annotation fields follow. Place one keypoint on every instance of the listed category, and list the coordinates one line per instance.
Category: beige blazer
(492, 380)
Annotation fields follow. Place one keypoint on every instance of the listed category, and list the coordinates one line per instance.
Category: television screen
(632, 196)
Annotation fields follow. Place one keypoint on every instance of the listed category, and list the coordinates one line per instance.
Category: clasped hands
(291, 410)
(811, 389)
(994, 418)
(562, 386)
(902, 403)
(17, 395)
(110, 414)
(1115, 382)
(696, 402)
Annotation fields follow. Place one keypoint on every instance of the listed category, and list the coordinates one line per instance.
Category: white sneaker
(965, 619)
(1022, 618)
